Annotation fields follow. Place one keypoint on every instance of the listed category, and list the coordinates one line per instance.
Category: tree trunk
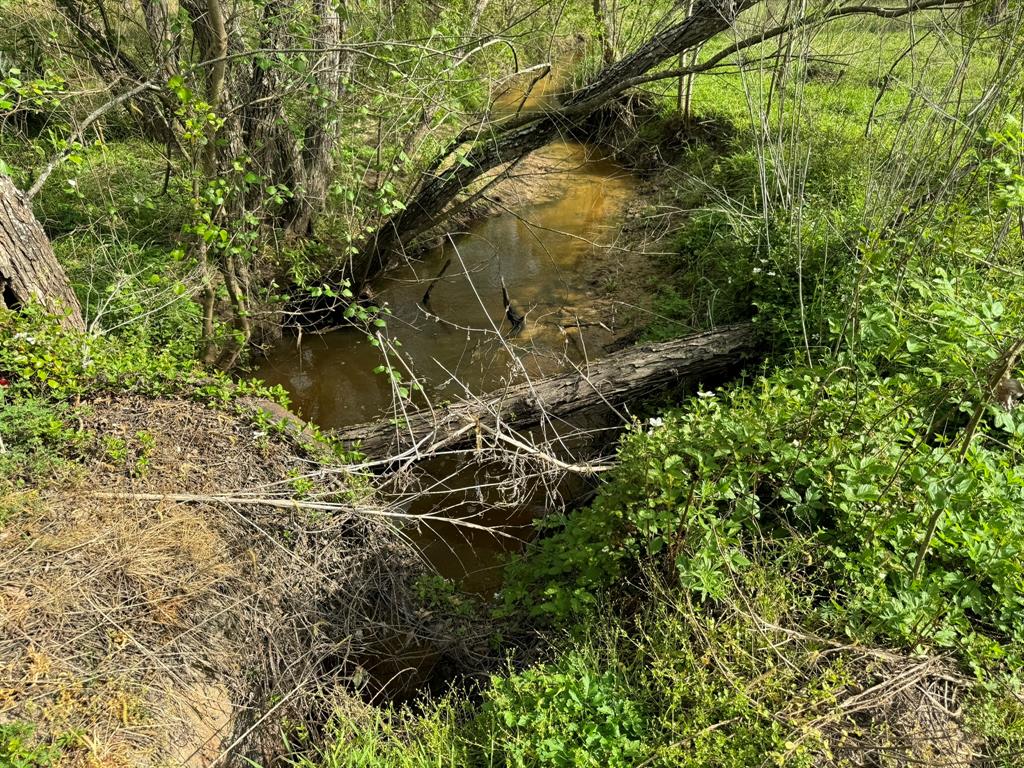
(268, 136)
(28, 269)
(629, 375)
(686, 81)
(323, 126)
(604, 32)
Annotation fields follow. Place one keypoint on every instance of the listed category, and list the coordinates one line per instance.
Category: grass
(769, 196)
(681, 686)
(747, 587)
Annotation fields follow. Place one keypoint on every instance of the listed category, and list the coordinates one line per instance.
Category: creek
(547, 245)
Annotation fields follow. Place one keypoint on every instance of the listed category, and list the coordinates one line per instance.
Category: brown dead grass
(159, 633)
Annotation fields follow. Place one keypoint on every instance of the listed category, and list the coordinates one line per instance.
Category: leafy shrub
(855, 457)
(35, 437)
(563, 714)
(39, 358)
(114, 190)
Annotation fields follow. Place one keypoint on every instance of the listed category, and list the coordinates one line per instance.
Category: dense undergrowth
(48, 372)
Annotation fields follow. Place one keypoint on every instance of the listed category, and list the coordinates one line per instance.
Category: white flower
(705, 394)
(656, 421)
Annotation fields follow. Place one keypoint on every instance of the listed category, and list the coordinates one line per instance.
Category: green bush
(888, 462)
(561, 715)
(39, 358)
(852, 463)
(114, 191)
(36, 438)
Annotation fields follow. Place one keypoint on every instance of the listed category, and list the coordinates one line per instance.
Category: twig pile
(185, 632)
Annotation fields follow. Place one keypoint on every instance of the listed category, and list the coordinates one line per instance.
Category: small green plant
(115, 450)
(18, 748)
(131, 455)
(301, 485)
(36, 437)
(563, 716)
(146, 445)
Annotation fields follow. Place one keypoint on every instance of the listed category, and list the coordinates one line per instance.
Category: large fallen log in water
(625, 376)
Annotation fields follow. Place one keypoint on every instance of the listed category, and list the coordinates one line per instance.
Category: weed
(18, 748)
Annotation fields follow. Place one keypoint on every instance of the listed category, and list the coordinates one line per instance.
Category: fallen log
(628, 375)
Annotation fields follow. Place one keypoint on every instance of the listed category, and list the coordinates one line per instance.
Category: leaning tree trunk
(507, 141)
(28, 269)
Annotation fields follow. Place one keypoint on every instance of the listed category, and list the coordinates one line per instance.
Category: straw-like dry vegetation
(140, 631)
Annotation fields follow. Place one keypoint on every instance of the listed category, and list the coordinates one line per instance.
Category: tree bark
(604, 32)
(29, 271)
(165, 44)
(629, 375)
(268, 135)
(323, 127)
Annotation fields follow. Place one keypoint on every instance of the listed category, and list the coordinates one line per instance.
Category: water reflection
(461, 344)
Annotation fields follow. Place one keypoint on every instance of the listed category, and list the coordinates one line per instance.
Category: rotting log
(29, 271)
(629, 375)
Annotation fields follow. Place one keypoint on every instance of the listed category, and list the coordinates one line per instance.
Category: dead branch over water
(603, 384)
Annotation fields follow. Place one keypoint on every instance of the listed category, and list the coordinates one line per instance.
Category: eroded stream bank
(552, 247)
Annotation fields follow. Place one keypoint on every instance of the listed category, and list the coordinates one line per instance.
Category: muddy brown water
(545, 253)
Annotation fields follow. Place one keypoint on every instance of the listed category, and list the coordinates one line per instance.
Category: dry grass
(908, 712)
(163, 633)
